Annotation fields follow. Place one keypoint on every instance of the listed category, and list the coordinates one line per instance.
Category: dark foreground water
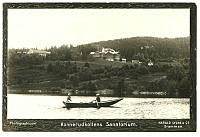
(21, 106)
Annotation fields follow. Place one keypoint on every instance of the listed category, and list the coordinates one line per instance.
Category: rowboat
(91, 104)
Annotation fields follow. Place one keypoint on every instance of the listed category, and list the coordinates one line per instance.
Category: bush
(176, 73)
(87, 65)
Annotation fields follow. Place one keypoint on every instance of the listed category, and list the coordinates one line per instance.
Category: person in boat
(98, 100)
(69, 98)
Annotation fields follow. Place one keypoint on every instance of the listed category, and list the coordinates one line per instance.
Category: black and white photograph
(99, 67)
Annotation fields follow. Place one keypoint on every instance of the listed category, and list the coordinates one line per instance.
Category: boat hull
(90, 105)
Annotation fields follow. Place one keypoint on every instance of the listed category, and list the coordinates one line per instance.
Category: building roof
(38, 51)
(105, 51)
(92, 53)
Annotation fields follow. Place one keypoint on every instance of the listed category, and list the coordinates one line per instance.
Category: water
(22, 106)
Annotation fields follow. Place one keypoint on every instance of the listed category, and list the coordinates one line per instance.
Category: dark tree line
(143, 48)
(19, 59)
(138, 48)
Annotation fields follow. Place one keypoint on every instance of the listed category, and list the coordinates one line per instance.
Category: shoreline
(94, 95)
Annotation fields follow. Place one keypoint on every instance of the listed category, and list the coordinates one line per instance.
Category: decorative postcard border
(107, 125)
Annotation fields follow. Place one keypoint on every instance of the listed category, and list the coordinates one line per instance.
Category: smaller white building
(40, 52)
(105, 92)
(136, 61)
(150, 63)
(123, 60)
(110, 59)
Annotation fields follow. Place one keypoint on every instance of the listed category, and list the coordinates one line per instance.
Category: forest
(72, 69)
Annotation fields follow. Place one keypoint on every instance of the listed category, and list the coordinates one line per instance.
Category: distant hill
(144, 47)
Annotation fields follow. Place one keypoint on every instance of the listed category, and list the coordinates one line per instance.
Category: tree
(176, 73)
(50, 68)
(184, 87)
(85, 75)
(63, 53)
(87, 65)
(75, 81)
(91, 86)
(120, 91)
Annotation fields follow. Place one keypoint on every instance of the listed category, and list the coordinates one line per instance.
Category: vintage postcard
(99, 67)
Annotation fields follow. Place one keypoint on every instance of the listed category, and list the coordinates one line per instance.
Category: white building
(40, 52)
(107, 54)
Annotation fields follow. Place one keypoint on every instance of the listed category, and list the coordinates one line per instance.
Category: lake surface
(22, 106)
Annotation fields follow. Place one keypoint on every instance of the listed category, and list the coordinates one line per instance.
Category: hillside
(72, 69)
(151, 47)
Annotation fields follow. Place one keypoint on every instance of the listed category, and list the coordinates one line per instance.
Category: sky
(43, 28)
